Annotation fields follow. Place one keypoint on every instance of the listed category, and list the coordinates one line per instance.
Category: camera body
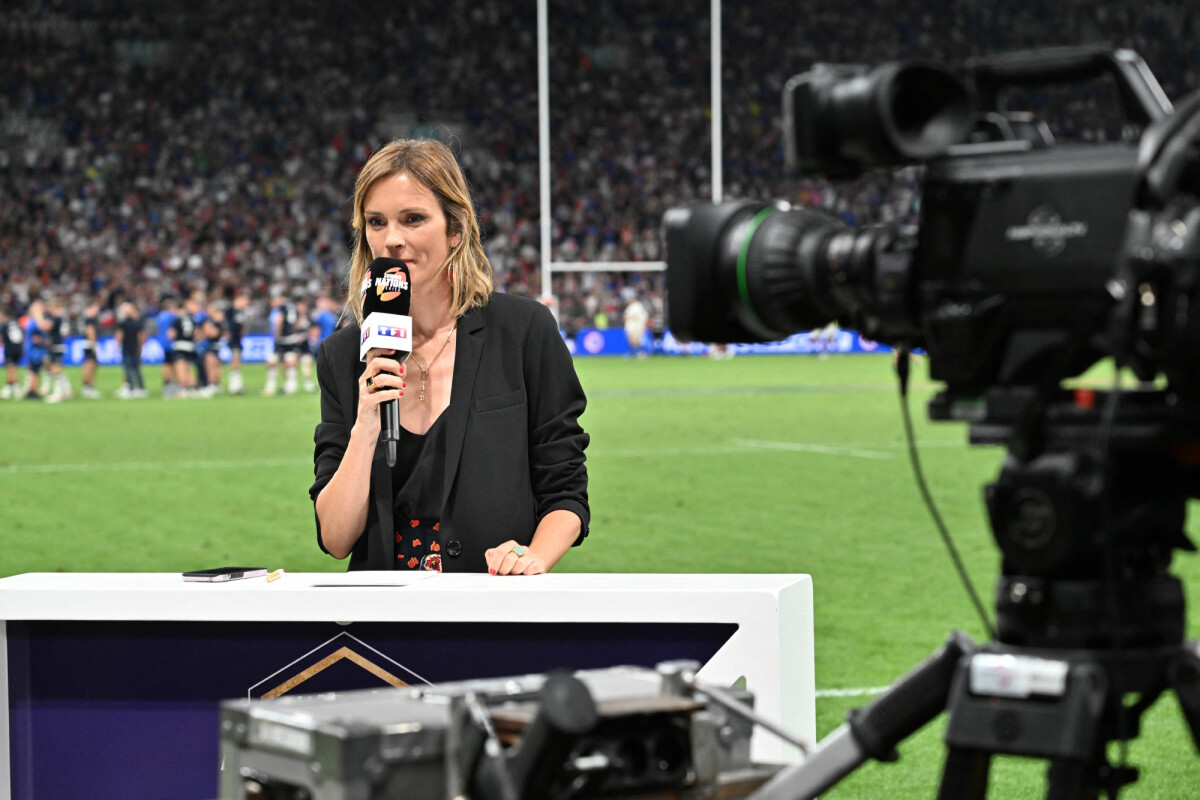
(1015, 254)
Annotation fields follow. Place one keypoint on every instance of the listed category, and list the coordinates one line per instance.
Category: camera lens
(842, 119)
(752, 272)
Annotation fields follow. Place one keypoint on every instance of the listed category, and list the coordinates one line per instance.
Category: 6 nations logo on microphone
(390, 284)
(387, 286)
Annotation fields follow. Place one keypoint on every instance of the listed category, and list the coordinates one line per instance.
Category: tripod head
(1087, 512)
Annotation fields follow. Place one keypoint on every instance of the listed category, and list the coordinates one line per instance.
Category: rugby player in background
(235, 319)
(91, 338)
(325, 319)
(58, 325)
(14, 351)
(306, 350)
(290, 335)
(182, 334)
(168, 311)
(194, 307)
(213, 331)
(38, 341)
(275, 326)
(131, 333)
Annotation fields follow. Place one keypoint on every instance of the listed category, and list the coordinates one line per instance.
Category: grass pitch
(768, 464)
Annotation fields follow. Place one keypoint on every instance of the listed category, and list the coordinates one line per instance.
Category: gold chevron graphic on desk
(327, 662)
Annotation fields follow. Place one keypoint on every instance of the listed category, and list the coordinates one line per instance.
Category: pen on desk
(275, 575)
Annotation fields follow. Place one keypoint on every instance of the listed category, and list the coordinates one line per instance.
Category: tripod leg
(1070, 779)
(873, 731)
(1184, 676)
(965, 775)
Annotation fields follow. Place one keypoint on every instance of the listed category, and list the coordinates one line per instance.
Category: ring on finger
(520, 551)
(370, 383)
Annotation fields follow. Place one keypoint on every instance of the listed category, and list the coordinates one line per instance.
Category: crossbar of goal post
(547, 224)
(608, 266)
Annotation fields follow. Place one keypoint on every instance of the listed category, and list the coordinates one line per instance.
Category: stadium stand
(154, 149)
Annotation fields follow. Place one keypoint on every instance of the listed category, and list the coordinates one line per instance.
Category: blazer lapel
(467, 354)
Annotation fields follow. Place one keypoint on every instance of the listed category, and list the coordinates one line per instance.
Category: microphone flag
(386, 296)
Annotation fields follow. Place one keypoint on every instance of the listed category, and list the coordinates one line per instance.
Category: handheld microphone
(386, 297)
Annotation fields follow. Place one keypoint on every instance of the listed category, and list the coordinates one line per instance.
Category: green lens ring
(743, 254)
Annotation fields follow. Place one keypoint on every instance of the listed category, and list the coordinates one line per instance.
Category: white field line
(735, 447)
(821, 449)
(860, 692)
(152, 466)
(740, 447)
(653, 452)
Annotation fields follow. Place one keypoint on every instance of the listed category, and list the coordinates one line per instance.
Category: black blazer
(515, 449)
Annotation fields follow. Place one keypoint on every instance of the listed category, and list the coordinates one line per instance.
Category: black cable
(1108, 557)
(902, 371)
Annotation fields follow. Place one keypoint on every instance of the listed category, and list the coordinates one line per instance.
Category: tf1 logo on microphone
(387, 332)
(384, 332)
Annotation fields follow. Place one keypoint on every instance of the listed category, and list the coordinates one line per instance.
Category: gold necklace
(425, 370)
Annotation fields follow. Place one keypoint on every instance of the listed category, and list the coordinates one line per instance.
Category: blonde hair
(433, 164)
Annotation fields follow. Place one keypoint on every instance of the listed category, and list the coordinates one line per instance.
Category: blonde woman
(490, 472)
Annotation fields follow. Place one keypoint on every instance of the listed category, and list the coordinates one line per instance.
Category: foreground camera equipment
(619, 732)
(1033, 260)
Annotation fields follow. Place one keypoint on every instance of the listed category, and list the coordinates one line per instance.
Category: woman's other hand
(511, 558)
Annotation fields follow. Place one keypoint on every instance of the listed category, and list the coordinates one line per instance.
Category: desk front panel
(126, 710)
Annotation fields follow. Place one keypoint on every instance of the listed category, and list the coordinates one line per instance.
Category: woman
(490, 469)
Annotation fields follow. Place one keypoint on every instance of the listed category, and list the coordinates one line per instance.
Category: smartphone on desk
(221, 574)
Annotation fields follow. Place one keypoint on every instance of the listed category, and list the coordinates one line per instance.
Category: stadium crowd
(159, 153)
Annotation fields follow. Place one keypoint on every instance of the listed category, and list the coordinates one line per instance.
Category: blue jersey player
(37, 343)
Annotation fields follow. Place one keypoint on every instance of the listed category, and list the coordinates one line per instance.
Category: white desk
(772, 646)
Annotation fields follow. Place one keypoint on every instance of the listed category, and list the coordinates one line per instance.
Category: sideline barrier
(612, 342)
(587, 342)
(255, 349)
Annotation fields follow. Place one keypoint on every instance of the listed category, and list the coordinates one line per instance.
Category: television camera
(1033, 260)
